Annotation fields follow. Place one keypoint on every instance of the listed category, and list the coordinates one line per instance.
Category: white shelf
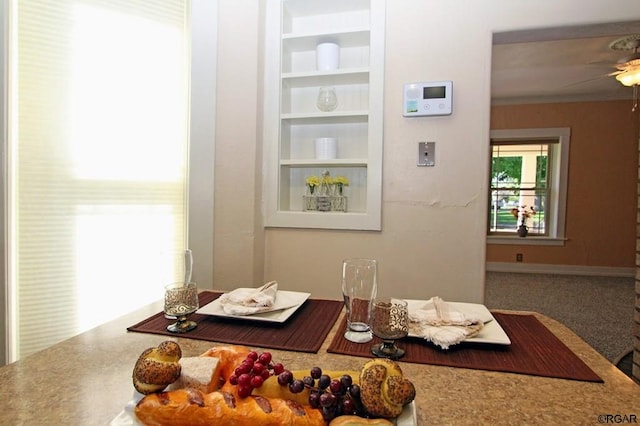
(292, 120)
(345, 38)
(350, 162)
(323, 78)
(335, 116)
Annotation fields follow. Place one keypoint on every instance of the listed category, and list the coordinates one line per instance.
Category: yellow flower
(341, 180)
(312, 181)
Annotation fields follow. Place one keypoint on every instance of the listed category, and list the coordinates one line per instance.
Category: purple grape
(328, 413)
(328, 399)
(348, 406)
(314, 399)
(296, 386)
(308, 381)
(336, 386)
(354, 391)
(324, 381)
(285, 378)
(346, 381)
(316, 372)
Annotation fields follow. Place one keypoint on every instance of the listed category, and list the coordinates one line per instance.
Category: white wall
(433, 233)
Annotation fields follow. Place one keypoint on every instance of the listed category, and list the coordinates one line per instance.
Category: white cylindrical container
(326, 148)
(327, 56)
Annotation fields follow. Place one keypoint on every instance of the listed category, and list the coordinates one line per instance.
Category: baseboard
(539, 268)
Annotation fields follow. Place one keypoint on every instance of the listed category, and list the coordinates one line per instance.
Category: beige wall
(601, 202)
(433, 230)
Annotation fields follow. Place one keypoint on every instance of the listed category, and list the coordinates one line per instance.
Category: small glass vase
(327, 99)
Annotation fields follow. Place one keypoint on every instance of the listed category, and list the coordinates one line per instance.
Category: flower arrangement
(523, 214)
(340, 182)
(334, 185)
(312, 182)
(325, 193)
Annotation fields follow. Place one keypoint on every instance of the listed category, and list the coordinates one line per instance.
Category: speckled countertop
(86, 380)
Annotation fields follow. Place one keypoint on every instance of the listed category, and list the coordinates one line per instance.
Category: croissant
(384, 391)
(192, 407)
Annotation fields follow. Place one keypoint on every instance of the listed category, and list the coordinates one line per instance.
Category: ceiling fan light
(630, 77)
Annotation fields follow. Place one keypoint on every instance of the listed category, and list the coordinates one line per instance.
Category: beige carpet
(598, 309)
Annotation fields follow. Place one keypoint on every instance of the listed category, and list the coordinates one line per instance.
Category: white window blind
(98, 149)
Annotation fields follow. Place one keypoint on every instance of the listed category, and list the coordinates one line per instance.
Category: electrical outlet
(518, 257)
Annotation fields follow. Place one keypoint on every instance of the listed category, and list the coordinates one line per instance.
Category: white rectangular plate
(491, 333)
(126, 417)
(286, 303)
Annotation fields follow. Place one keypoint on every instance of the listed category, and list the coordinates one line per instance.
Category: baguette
(192, 407)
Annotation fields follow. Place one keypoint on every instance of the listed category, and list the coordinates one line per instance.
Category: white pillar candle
(326, 148)
(327, 56)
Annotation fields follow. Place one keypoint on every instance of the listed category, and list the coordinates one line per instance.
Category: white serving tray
(491, 333)
(286, 303)
(127, 417)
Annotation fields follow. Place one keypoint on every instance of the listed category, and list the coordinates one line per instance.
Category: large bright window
(528, 184)
(98, 166)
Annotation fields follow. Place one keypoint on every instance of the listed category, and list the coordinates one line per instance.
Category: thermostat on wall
(428, 99)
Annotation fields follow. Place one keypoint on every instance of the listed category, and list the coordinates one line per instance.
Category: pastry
(359, 421)
(383, 390)
(192, 407)
(157, 367)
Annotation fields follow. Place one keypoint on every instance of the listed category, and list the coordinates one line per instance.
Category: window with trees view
(528, 182)
(519, 189)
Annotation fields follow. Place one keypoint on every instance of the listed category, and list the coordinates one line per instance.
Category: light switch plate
(427, 154)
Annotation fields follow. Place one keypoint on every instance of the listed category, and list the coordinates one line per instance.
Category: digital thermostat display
(428, 99)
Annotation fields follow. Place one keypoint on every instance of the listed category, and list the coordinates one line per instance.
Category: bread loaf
(192, 407)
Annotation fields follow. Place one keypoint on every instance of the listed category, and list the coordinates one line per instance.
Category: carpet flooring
(598, 309)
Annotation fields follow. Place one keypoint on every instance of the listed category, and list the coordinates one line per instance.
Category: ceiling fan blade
(577, 83)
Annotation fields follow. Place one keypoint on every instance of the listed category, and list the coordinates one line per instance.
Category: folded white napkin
(248, 301)
(442, 325)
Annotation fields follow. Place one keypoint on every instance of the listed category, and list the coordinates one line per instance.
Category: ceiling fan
(628, 72)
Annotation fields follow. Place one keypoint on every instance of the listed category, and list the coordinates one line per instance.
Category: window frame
(558, 171)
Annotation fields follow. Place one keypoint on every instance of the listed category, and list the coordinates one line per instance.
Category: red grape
(244, 390)
(244, 379)
(265, 374)
(242, 369)
(233, 379)
(256, 381)
(265, 358)
(253, 355)
(258, 368)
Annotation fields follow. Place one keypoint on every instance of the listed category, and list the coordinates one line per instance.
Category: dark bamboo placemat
(534, 350)
(304, 331)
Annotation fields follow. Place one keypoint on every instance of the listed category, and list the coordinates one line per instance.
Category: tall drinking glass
(359, 287)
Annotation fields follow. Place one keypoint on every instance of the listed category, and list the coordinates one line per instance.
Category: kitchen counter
(86, 380)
